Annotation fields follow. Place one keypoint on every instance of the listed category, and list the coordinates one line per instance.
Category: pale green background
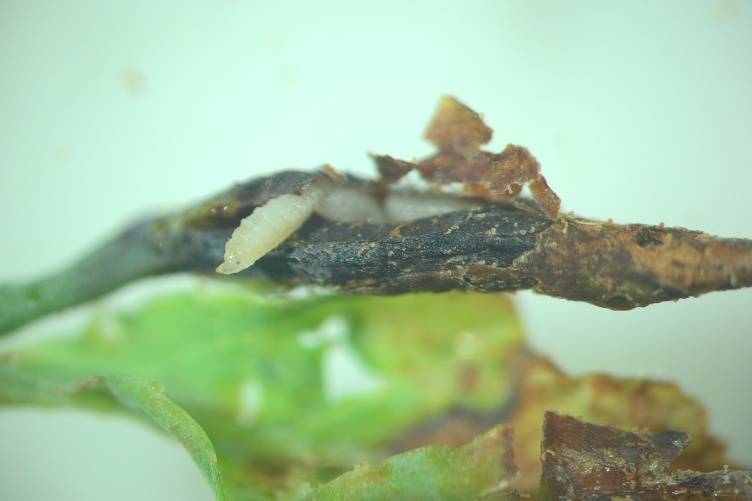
(638, 111)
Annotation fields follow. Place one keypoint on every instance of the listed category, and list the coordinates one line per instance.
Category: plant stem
(503, 247)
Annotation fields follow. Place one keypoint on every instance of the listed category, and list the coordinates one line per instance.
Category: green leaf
(292, 393)
(482, 467)
(148, 396)
(132, 391)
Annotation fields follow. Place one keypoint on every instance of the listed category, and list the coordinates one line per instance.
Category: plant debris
(454, 413)
(593, 462)
(626, 403)
(459, 132)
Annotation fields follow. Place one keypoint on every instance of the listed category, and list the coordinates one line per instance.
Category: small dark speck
(646, 237)
(133, 79)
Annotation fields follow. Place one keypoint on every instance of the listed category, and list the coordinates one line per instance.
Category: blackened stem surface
(500, 248)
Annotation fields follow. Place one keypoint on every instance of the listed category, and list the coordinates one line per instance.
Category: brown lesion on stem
(626, 266)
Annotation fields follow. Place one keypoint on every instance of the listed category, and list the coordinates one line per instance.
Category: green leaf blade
(118, 393)
(477, 469)
(149, 397)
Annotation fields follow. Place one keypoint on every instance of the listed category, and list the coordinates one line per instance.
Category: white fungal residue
(111, 329)
(400, 207)
(267, 227)
(350, 205)
(344, 372)
(332, 330)
(250, 396)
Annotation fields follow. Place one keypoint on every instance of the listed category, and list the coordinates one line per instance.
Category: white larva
(267, 227)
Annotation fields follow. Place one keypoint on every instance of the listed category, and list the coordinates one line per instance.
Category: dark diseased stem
(459, 250)
(502, 246)
(498, 248)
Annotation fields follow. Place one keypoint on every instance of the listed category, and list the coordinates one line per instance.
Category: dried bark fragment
(545, 196)
(596, 462)
(459, 132)
(390, 169)
(457, 128)
(628, 403)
